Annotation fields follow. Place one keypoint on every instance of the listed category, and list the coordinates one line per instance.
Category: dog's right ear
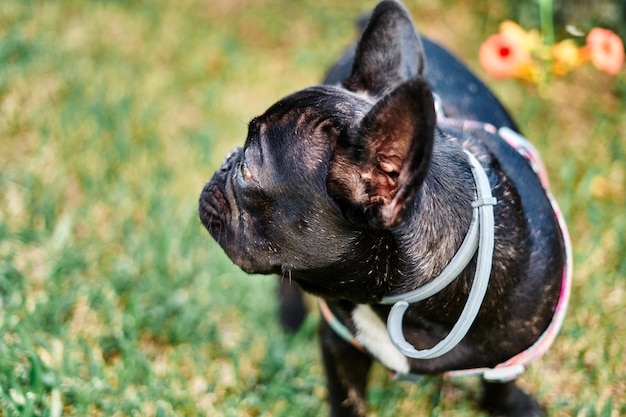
(388, 53)
(378, 166)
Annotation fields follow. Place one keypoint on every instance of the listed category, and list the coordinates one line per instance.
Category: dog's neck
(442, 215)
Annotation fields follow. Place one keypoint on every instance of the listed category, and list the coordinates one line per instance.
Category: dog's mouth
(216, 215)
(223, 218)
(217, 208)
(214, 208)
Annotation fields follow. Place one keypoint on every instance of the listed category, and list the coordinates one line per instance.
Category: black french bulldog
(364, 189)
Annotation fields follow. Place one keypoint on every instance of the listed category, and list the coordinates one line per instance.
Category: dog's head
(329, 164)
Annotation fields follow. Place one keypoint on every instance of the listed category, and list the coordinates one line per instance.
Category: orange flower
(504, 56)
(606, 50)
(513, 31)
(530, 40)
(566, 57)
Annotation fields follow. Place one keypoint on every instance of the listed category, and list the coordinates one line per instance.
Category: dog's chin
(250, 264)
(250, 267)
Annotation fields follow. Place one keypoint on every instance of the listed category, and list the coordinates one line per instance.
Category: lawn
(113, 299)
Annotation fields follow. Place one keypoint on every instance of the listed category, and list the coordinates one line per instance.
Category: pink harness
(513, 367)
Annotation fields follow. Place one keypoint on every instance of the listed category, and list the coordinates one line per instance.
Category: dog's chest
(372, 334)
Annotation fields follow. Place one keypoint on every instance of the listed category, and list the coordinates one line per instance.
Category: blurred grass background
(115, 301)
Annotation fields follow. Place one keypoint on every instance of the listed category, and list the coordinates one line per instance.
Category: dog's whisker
(286, 273)
(221, 224)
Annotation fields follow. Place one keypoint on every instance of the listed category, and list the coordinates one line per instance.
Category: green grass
(115, 301)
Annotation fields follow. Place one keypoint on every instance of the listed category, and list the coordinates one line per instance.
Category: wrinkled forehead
(300, 115)
(300, 129)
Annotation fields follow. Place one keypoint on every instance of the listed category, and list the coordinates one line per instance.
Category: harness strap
(338, 326)
(513, 367)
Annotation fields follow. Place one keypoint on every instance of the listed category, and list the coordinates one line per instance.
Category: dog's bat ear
(378, 168)
(388, 53)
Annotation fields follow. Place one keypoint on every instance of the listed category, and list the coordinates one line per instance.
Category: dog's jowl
(402, 194)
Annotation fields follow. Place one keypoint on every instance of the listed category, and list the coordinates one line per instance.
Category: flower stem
(546, 20)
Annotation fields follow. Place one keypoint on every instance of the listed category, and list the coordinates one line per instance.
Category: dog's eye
(244, 172)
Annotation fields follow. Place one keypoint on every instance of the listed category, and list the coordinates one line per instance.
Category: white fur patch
(371, 332)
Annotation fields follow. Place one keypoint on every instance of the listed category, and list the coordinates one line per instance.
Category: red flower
(606, 50)
(504, 56)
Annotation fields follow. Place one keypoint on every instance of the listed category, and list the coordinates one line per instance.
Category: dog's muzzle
(214, 206)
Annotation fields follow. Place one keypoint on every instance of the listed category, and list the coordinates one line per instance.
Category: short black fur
(355, 190)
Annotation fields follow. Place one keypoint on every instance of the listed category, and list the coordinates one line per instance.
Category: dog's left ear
(378, 167)
(389, 52)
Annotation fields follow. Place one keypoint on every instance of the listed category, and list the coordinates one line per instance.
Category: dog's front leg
(291, 306)
(346, 369)
(508, 400)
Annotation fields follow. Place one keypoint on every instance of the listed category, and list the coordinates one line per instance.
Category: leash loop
(483, 241)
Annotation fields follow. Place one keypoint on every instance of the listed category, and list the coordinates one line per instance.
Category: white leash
(480, 236)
